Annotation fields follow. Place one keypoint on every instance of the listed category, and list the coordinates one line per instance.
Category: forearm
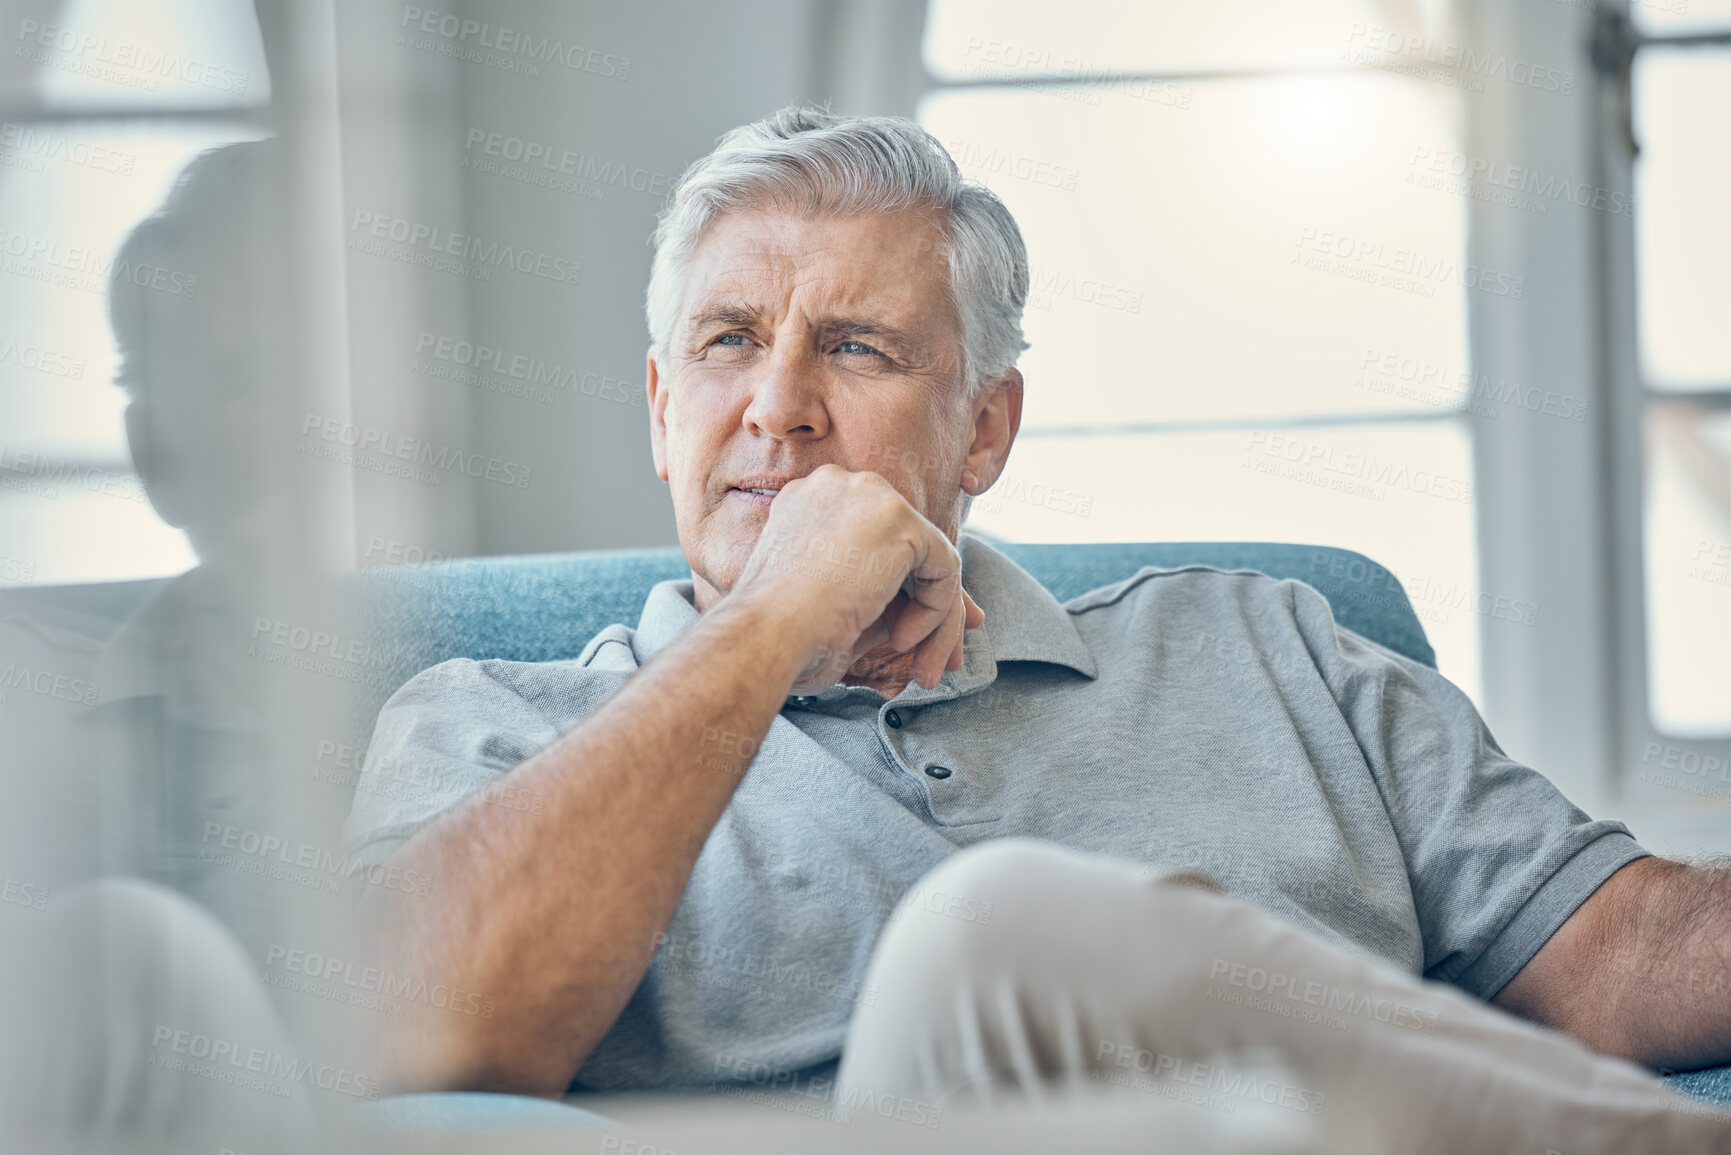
(1642, 970)
(553, 915)
(1672, 1006)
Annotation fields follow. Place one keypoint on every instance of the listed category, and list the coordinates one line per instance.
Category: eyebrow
(732, 313)
(726, 313)
(888, 333)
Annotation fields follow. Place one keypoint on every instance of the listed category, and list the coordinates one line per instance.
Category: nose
(787, 400)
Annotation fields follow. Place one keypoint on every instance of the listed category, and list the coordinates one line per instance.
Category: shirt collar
(1024, 623)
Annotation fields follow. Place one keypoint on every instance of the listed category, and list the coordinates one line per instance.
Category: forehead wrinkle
(822, 299)
(780, 272)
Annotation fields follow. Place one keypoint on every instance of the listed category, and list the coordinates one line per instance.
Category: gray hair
(816, 162)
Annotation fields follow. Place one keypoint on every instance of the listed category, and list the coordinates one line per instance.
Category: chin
(720, 562)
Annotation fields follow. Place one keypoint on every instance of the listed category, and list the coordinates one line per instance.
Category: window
(1683, 305)
(1250, 298)
(109, 100)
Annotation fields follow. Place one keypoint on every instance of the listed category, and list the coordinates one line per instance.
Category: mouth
(758, 490)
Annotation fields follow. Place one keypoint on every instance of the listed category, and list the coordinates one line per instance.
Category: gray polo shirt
(1194, 718)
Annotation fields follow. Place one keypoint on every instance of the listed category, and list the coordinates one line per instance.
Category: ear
(997, 417)
(658, 395)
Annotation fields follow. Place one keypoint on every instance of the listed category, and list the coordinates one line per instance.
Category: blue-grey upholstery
(545, 607)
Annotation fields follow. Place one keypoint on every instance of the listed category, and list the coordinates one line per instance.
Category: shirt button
(937, 771)
(894, 719)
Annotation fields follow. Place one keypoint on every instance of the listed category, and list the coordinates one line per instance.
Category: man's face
(805, 341)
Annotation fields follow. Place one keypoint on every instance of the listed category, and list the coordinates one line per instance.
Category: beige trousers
(1020, 970)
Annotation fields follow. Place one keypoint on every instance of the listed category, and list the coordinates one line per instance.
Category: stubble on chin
(721, 560)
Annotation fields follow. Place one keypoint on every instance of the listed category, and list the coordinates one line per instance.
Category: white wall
(695, 71)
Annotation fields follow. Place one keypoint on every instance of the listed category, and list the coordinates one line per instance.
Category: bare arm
(554, 915)
(1642, 970)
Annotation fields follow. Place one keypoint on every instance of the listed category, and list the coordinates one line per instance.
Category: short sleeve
(451, 730)
(1496, 856)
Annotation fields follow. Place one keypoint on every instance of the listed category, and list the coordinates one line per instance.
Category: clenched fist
(848, 565)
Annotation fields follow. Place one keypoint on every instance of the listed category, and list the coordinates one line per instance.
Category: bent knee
(991, 872)
(1014, 874)
(990, 903)
(131, 914)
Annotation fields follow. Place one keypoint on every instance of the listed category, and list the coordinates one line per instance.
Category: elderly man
(849, 704)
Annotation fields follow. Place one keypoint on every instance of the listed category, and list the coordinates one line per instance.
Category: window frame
(1616, 46)
(1575, 702)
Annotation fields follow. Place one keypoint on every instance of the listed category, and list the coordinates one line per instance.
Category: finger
(872, 637)
(933, 655)
(956, 655)
(920, 618)
(931, 590)
(972, 618)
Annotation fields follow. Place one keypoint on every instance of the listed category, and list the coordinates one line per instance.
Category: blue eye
(727, 338)
(857, 347)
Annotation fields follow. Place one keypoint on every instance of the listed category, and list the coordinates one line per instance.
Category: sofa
(545, 607)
